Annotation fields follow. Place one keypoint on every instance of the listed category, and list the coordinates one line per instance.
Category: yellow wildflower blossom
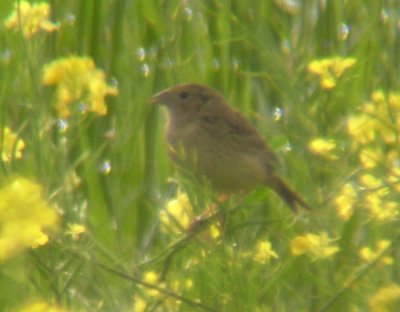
(378, 121)
(394, 179)
(78, 80)
(370, 158)
(214, 231)
(31, 18)
(142, 300)
(368, 255)
(264, 252)
(323, 147)
(41, 306)
(317, 246)
(378, 97)
(24, 217)
(370, 182)
(389, 211)
(345, 201)
(382, 210)
(384, 297)
(369, 108)
(392, 157)
(361, 128)
(327, 82)
(330, 69)
(339, 65)
(386, 131)
(153, 278)
(382, 111)
(41, 239)
(394, 100)
(140, 304)
(188, 284)
(177, 214)
(75, 230)
(11, 145)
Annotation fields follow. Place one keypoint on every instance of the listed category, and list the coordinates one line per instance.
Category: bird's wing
(238, 133)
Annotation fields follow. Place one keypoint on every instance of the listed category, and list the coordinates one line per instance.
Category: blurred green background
(255, 53)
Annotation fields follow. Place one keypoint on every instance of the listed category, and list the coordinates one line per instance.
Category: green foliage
(257, 55)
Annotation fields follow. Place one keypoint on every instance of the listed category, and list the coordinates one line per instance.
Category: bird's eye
(184, 95)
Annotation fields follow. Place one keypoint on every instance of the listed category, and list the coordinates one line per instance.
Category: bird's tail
(288, 195)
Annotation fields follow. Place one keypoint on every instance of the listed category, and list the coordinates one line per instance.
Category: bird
(217, 145)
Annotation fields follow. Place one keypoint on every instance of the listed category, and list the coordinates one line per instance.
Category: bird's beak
(160, 98)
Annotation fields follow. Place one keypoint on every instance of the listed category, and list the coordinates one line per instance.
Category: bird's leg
(210, 212)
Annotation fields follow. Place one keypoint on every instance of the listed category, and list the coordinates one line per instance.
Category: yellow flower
(345, 201)
(385, 296)
(378, 207)
(380, 118)
(392, 157)
(153, 278)
(327, 82)
(394, 100)
(24, 217)
(370, 158)
(368, 255)
(319, 67)
(75, 230)
(177, 214)
(142, 300)
(316, 246)
(394, 179)
(370, 182)
(329, 69)
(382, 211)
(78, 80)
(380, 109)
(264, 252)
(140, 304)
(339, 65)
(214, 231)
(386, 131)
(41, 306)
(188, 284)
(369, 108)
(11, 145)
(361, 128)
(31, 18)
(378, 97)
(40, 240)
(323, 147)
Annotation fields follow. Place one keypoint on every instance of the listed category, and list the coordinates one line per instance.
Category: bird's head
(189, 100)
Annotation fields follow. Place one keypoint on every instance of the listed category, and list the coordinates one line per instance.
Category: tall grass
(255, 53)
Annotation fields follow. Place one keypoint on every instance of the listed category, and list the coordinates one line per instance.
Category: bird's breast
(211, 156)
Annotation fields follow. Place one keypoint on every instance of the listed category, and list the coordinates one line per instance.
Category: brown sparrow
(219, 146)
